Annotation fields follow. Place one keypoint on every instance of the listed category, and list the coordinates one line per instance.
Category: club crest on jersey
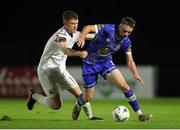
(104, 51)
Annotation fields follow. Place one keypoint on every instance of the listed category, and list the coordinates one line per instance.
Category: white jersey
(52, 56)
(52, 71)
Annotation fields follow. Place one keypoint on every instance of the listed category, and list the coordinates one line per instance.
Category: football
(121, 113)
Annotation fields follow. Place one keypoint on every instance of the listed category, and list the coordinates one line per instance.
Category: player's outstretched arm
(90, 36)
(71, 52)
(85, 33)
(132, 66)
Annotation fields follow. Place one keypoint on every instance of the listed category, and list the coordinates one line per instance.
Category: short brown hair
(128, 21)
(69, 14)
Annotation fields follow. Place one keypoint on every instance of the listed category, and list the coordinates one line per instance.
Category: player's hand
(81, 41)
(140, 80)
(83, 54)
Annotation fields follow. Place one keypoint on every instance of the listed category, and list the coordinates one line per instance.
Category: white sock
(87, 109)
(42, 99)
(139, 112)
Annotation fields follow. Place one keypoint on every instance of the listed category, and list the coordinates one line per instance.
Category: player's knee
(88, 98)
(56, 105)
(125, 87)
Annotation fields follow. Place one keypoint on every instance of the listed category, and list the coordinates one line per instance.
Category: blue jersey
(105, 44)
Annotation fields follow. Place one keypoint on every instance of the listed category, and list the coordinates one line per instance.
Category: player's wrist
(82, 36)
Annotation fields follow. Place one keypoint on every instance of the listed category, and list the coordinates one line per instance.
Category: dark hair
(128, 21)
(69, 14)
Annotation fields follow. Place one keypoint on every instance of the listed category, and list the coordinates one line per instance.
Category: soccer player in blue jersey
(109, 38)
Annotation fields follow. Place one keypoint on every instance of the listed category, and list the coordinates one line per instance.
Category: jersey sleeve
(99, 27)
(127, 46)
(104, 29)
(128, 50)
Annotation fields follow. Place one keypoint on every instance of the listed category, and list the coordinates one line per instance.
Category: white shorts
(55, 79)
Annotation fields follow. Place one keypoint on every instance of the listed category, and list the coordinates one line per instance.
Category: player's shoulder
(77, 33)
(106, 26)
(127, 40)
(109, 27)
(62, 32)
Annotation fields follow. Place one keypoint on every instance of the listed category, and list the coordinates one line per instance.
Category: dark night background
(25, 26)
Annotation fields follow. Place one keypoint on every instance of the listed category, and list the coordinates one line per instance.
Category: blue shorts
(90, 72)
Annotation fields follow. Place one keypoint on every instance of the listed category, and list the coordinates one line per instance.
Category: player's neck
(70, 34)
(117, 36)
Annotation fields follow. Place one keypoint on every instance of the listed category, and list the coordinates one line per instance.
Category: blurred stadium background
(27, 25)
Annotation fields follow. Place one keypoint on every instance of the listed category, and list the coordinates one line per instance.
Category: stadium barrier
(16, 81)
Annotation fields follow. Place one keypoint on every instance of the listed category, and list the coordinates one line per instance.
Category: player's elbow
(90, 36)
(91, 28)
(67, 52)
(130, 62)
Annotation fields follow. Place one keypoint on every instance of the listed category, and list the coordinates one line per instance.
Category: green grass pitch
(166, 115)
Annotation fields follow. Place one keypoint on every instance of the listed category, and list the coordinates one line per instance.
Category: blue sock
(132, 100)
(80, 100)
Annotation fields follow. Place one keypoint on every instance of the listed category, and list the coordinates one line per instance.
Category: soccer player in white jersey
(52, 72)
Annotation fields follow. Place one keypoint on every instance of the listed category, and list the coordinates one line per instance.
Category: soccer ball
(120, 113)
